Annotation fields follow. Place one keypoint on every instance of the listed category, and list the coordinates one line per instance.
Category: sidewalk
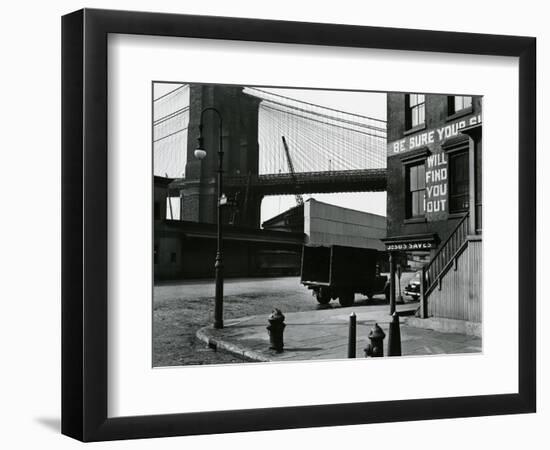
(323, 334)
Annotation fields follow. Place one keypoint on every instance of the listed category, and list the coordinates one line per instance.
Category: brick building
(434, 197)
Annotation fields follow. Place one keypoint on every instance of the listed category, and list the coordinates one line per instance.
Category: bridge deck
(368, 180)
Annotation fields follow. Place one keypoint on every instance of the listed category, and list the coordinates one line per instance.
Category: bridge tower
(239, 112)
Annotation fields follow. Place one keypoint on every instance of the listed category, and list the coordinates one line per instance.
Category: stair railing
(446, 256)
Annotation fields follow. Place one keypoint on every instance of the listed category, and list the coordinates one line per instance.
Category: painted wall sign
(435, 198)
(410, 246)
(433, 136)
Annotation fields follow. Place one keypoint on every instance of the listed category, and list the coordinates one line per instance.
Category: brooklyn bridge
(273, 145)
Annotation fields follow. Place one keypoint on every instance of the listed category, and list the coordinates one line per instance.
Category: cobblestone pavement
(180, 309)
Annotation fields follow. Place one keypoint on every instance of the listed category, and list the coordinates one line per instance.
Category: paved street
(181, 309)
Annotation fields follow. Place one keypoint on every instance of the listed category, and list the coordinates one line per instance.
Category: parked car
(413, 288)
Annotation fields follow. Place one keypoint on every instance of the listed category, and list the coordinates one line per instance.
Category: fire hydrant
(275, 329)
(376, 346)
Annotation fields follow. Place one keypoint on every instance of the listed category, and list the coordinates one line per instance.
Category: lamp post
(200, 153)
(392, 282)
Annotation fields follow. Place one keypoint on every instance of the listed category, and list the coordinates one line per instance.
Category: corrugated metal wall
(460, 294)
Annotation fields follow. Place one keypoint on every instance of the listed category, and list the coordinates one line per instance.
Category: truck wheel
(346, 298)
(323, 296)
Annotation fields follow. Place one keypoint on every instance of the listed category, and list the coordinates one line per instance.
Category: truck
(337, 271)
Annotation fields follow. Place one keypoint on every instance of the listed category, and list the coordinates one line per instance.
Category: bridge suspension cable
(170, 122)
(322, 138)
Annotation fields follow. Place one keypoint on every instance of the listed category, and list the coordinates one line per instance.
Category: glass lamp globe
(200, 153)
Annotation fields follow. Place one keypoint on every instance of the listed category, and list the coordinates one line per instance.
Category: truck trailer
(338, 271)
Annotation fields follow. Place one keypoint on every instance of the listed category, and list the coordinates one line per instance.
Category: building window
(173, 257)
(459, 185)
(415, 107)
(458, 103)
(416, 190)
(157, 211)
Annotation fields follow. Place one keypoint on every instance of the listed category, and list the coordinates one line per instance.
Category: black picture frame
(84, 224)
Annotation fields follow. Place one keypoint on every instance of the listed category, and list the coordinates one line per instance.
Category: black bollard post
(275, 329)
(376, 346)
(394, 338)
(352, 337)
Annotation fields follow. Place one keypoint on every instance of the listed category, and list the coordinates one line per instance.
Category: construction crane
(299, 198)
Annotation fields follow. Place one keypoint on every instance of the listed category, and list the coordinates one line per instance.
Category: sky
(159, 89)
(371, 104)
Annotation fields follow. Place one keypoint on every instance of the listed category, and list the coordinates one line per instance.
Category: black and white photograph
(299, 224)
(275, 225)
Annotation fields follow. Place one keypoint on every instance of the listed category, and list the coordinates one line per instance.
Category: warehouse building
(326, 224)
(185, 249)
(434, 197)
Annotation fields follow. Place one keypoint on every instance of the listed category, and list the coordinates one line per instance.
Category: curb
(204, 335)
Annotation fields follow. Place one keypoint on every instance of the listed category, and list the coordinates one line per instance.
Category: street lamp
(200, 153)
